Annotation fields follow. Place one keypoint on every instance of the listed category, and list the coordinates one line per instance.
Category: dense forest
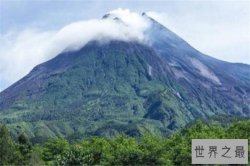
(119, 150)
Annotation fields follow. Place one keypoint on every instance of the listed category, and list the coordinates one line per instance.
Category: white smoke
(21, 51)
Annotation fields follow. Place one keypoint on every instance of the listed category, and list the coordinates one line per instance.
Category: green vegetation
(112, 89)
(102, 92)
(119, 150)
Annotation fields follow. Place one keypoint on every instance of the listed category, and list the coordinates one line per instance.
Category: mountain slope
(125, 87)
(225, 83)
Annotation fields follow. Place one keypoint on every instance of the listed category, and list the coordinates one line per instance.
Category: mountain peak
(125, 86)
(106, 16)
(118, 16)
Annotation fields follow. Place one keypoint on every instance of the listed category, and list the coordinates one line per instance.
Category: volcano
(128, 87)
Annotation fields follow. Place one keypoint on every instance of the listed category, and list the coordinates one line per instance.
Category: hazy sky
(218, 28)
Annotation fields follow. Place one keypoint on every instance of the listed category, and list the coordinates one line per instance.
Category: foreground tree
(53, 148)
(8, 152)
(24, 147)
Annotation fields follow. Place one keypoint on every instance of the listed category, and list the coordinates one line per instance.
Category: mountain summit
(156, 85)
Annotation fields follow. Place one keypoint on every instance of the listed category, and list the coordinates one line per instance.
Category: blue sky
(217, 28)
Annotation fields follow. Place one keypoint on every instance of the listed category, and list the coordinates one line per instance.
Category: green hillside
(118, 87)
(105, 90)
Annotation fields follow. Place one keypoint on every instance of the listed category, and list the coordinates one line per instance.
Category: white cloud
(21, 51)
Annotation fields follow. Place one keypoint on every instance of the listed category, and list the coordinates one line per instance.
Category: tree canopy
(120, 150)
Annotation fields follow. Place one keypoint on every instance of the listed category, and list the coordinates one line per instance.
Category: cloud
(221, 39)
(219, 34)
(21, 51)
